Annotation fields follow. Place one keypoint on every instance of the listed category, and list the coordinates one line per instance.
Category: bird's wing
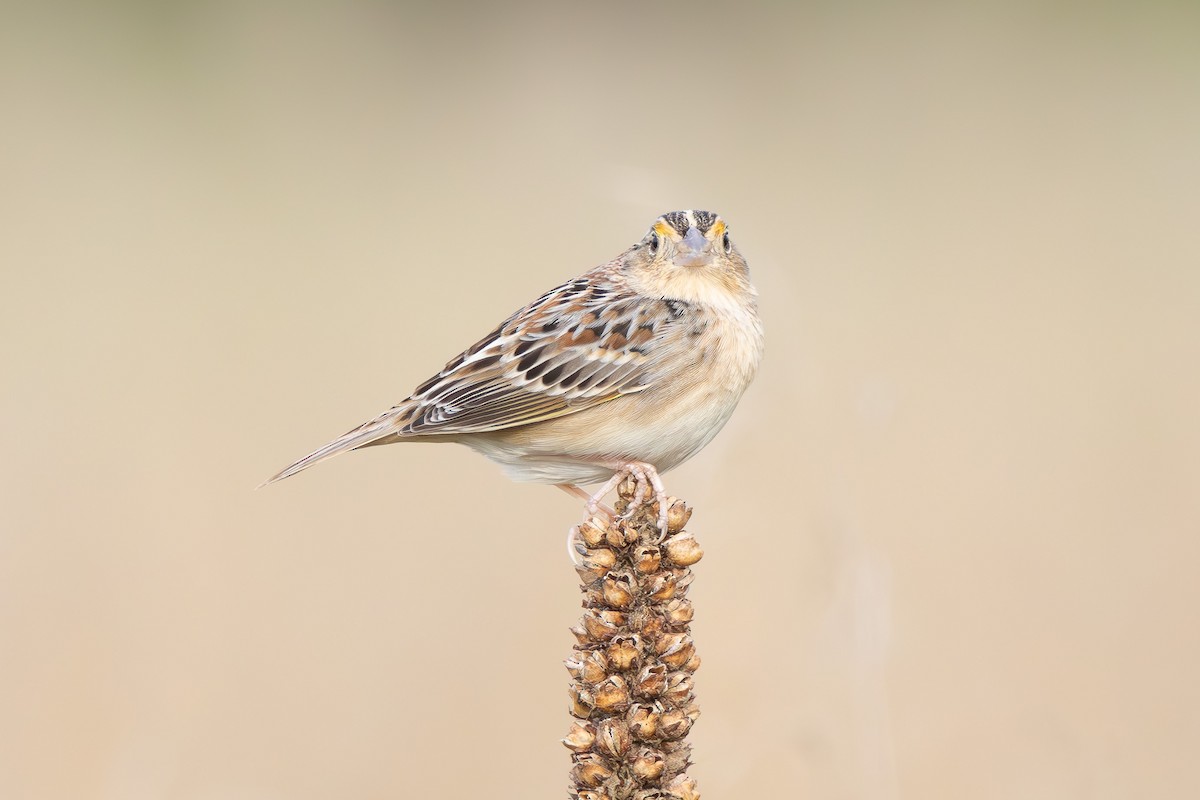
(579, 345)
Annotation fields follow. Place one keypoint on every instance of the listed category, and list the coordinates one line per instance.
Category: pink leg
(581, 494)
(660, 495)
(593, 503)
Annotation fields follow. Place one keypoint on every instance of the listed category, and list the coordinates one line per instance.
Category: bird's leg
(594, 506)
(660, 495)
(641, 487)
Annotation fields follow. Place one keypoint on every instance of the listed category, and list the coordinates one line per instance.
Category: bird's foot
(646, 481)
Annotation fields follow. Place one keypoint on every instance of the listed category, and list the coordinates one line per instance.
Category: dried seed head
(596, 629)
(671, 643)
(678, 514)
(677, 755)
(574, 665)
(678, 658)
(622, 652)
(684, 788)
(651, 681)
(611, 695)
(593, 595)
(679, 688)
(582, 702)
(614, 536)
(590, 666)
(592, 531)
(650, 626)
(648, 764)
(647, 559)
(682, 549)
(680, 611)
(627, 488)
(599, 559)
(634, 643)
(621, 534)
(588, 794)
(618, 590)
(612, 737)
(613, 616)
(580, 738)
(661, 586)
(643, 721)
(602, 624)
(674, 724)
(595, 667)
(590, 770)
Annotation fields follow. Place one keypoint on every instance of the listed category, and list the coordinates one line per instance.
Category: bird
(628, 370)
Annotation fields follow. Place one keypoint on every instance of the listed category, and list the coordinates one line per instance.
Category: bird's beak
(694, 250)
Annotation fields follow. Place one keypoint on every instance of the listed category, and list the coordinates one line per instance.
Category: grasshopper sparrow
(629, 369)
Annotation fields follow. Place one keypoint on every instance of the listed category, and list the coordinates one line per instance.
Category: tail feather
(370, 433)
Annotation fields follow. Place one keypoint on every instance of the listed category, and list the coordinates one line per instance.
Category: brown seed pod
(618, 590)
(591, 532)
(589, 794)
(680, 611)
(646, 558)
(590, 770)
(679, 689)
(682, 549)
(600, 559)
(611, 695)
(678, 658)
(648, 764)
(582, 702)
(622, 652)
(588, 666)
(612, 737)
(674, 724)
(651, 681)
(581, 737)
(684, 788)
(662, 586)
(643, 721)
(678, 514)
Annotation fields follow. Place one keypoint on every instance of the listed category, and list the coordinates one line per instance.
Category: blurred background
(951, 533)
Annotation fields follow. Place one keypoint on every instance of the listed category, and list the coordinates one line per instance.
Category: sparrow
(628, 370)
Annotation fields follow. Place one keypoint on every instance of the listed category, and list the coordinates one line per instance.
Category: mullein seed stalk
(631, 670)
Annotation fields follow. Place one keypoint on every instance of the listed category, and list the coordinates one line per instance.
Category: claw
(575, 547)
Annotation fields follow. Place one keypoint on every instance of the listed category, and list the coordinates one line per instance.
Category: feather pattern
(579, 345)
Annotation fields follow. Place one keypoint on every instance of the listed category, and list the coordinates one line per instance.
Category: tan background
(952, 532)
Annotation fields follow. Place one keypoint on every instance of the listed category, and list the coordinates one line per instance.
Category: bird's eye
(652, 246)
(728, 244)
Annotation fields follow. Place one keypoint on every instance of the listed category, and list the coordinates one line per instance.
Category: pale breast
(685, 406)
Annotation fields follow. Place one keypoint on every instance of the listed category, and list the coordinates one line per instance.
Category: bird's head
(688, 239)
(685, 250)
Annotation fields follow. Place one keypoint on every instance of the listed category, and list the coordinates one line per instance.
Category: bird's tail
(378, 431)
